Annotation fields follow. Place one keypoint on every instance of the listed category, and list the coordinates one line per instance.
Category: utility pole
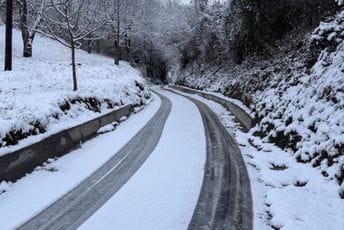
(8, 40)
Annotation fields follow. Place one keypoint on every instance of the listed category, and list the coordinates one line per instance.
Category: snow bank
(308, 110)
(37, 96)
(286, 194)
(297, 96)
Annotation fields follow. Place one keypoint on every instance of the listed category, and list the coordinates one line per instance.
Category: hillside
(37, 97)
(296, 95)
(295, 152)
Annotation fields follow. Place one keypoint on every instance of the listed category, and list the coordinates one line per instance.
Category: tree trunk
(128, 47)
(151, 60)
(117, 53)
(98, 46)
(125, 55)
(144, 53)
(27, 40)
(27, 47)
(117, 45)
(89, 46)
(75, 83)
(8, 45)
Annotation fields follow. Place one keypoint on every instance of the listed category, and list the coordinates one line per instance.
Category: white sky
(189, 1)
(184, 1)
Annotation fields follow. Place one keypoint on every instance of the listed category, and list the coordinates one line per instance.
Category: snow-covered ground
(162, 194)
(297, 96)
(232, 100)
(46, 184)
(164, 191)
(286, 194)
(189, 2)
(37, 97)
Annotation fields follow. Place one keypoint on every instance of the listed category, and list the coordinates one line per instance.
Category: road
(224, 200)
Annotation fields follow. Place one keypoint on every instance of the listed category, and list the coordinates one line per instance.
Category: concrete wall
(15, 165)
(242, 117)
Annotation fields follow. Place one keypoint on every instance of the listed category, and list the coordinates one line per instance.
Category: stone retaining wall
(15, 165)
(246, 121)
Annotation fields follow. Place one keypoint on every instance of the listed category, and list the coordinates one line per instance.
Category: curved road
(78, 205)
(225, 197)
(225, 201)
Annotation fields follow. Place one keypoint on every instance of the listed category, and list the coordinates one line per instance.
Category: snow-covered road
(33, 193)
(172, 170)
(225, 201)
(164, 192)
(79, 204)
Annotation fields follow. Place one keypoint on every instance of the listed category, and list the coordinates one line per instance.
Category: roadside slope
(285, 194)
(36, 98)
(296, 95)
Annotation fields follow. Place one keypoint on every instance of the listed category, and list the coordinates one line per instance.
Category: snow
(297, 100)
(164, 191)
(210, 2)
(32, 193)
(162, 194)
(312, 109)
(296, 196)
(234, 101)
(286, 194)
(4, 186)
(108, 128)
(33, 93)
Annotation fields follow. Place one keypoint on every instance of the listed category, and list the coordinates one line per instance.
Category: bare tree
(67, 17)
(95, 19)
(30, 19)
(121, 14)
(2, 2)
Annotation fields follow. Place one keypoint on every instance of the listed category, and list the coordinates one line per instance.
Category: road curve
(225, 200)
(79, 204)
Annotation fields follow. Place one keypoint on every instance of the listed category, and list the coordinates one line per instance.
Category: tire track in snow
(225, 200)
(71, 210)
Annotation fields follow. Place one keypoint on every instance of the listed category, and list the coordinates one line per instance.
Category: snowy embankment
(286, 194)
(36, 98)
(297, 96)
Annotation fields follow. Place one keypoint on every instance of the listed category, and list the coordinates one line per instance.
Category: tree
(30, 19)
(67, 17)
(2, 2)
(158, 31)
(122, 17)
(99, 18)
